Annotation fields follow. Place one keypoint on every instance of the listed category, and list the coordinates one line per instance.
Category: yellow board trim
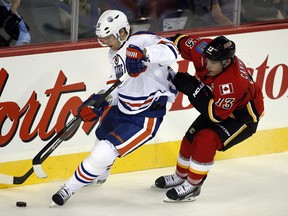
(148, 157)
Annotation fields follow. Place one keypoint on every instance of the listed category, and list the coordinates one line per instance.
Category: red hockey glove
(134, 58)
(91, 113)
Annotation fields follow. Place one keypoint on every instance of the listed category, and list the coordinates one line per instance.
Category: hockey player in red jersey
(230, 105)
(138, 105)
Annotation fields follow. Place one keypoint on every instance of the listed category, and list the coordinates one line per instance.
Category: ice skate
(97, 182)
(168, 181)
(61, 197)
(185, 192)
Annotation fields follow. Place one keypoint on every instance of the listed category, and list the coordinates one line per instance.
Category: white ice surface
(251, 186)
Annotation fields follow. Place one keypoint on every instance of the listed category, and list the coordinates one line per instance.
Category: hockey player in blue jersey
(138, 105)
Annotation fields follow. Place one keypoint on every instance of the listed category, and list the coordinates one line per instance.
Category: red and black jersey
(235, 94)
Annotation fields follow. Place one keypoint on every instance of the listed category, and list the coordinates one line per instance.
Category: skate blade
(190, 199)
(53, 204)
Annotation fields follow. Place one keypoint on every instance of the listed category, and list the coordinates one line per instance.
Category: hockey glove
(185, 83)
(198, 93)
(134, 60)
(91, 113)
(201, 100)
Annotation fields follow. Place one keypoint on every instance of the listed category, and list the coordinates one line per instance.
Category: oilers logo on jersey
(119, 65)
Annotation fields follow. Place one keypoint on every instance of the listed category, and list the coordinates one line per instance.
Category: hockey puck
(21, 204)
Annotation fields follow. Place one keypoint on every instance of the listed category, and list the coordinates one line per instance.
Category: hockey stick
(55, 142)
(61, 136)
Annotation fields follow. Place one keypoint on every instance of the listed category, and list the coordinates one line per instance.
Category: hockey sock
(183, 158)
(96, 164)
(205, 144)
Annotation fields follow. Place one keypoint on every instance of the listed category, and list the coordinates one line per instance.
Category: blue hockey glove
(91, 113)
(134, 58)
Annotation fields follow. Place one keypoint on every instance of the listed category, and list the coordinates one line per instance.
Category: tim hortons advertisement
(39, 94)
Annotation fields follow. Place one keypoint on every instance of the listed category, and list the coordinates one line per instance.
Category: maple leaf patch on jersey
(226, 89)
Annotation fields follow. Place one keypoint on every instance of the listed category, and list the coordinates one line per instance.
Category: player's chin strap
(44, 153)
(119, 38)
